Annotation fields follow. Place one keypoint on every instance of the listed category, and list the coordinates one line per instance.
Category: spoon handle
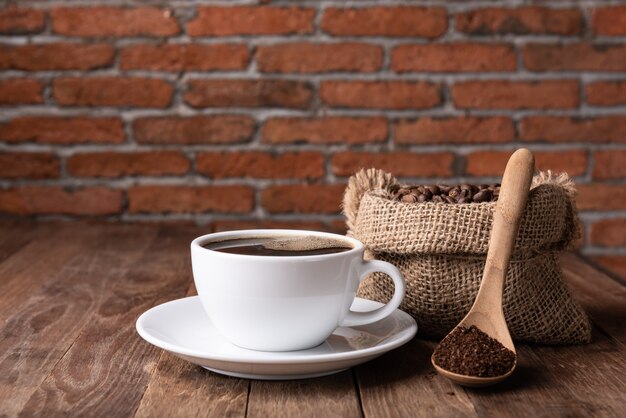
(506, 219)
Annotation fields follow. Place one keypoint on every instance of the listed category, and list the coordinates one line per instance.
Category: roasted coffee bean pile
(471, 352)
(441, 193)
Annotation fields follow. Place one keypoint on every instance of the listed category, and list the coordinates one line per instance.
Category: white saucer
(183, 328)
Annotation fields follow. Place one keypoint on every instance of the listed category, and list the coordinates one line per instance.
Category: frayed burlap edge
(377, 185)
(569, 322)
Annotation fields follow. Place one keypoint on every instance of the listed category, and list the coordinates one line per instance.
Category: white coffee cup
(286, 303)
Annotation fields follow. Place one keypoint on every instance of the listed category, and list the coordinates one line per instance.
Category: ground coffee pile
(471, 352)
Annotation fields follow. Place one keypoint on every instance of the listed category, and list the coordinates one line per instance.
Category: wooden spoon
(486, 313)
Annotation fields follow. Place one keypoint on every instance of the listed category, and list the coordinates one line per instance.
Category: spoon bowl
(486, 313)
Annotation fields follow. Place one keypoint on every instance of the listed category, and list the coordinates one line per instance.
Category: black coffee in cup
(287, 246)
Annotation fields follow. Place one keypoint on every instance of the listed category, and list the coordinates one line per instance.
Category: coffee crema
(280, 246)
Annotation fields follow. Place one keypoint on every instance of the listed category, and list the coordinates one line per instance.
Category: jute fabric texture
(441, 248)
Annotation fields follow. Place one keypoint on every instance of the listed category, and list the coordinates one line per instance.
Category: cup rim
(356, 245)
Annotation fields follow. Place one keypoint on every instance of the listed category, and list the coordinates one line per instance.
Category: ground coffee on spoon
(471, 352)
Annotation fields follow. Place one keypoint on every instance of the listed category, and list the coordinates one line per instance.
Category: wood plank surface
(46, 304)
(328, 396)
(601, 296)
(584, 380)
(181, 389)
(106, 370)
(178, 388)
(402, 383)
(70, 294)
(51, 253)
(14, 235)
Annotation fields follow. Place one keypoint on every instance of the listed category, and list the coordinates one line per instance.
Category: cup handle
(361, 318)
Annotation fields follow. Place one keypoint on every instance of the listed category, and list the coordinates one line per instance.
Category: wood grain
(70, 295)
(403, 383)
(329, 396)
(105, 359)
(601, 296)
(178, 388)
(585, 380)
(557, 381)
(45, 325)
(47, 255)
(14, 235)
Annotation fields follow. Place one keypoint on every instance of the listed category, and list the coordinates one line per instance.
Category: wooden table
(70, 294)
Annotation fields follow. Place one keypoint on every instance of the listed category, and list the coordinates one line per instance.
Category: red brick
(14, 20)
(113, 21)
(62, 130)
(453, 57)
(380, 94)
(575, 57)
(428, 22)
(213, 129)
(303, 198)
(609, 21)
(609, 164)
(249, 93)
(609, 232)
(34, 165)
(492, 163)
(15, 91)
(112, 91)
(47, 200)
(258, 164)
(190, 199)
(325, 130)
(251, 20)
(567, 129)
(606, 93)
(56, 56)
(305, 57)
(460, 130)
(116, 164)
(601, 197)
(405, 164)
(230, 225)
(497, 94)
(522, 20)
(614, 263)
(181, 57)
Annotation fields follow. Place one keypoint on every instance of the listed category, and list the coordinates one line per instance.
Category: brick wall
(256, 114)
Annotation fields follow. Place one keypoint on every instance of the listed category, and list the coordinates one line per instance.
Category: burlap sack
(441, 249)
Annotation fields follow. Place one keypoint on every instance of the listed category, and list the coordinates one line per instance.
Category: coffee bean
(443, 193)
(482, 196)
(434, 189)
(409, 198)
